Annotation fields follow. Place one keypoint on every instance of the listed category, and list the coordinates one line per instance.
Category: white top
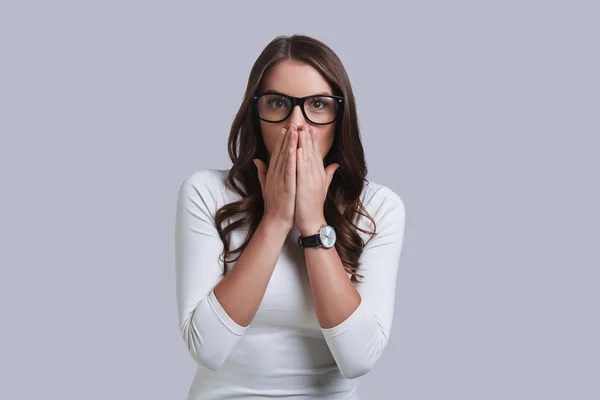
(284, 351)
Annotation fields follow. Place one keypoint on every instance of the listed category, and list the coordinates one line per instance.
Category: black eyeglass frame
(300, 102)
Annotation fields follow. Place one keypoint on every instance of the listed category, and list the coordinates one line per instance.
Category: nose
(297, 118)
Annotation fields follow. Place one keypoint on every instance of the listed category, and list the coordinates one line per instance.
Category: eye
(319, 103)
(277, 101)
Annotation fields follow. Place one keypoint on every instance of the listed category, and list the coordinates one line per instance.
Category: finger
(281, 165)
(330, 171)
(308, 139)
(277, 150)
(316, 154)
(306, 148)
(289, 144)
(301, 138)
(310, 150)
(315, 141)
(293, 142)
(293, 129)
(291, 166)
(260, 166)
(300, 158)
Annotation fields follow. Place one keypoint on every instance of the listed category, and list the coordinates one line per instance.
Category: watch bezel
(323, 235)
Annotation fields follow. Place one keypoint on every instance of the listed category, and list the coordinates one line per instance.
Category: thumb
(261, 167)
(330, 170)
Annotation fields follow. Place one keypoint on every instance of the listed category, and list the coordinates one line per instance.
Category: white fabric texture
(284, 351)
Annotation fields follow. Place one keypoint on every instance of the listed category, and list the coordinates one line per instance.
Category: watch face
(327, 236)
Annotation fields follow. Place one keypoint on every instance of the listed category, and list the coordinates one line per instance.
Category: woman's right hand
(278, 181)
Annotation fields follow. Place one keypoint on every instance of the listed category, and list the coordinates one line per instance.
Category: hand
(313, 182)
(278, 182)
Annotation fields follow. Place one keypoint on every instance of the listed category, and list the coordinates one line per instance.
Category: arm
(356, 321)
(215, 311)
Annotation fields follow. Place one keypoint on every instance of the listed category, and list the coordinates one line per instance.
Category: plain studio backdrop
(482, 116)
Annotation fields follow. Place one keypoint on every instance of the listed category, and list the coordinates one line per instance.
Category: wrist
(311, 228)
(276, 225)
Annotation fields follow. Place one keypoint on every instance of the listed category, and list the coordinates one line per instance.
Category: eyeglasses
(277, 107)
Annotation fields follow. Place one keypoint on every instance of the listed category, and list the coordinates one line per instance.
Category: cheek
(325, 138)
(269, 134)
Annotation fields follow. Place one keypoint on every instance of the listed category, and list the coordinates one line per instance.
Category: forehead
(294, 78)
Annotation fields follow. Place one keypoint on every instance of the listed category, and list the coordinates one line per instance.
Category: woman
(289, 316)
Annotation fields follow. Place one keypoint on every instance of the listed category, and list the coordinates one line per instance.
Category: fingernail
(283, 131)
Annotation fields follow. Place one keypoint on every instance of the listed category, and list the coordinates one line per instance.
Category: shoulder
(204, 177)
(207, 184)
(377, 197)
(384, 205)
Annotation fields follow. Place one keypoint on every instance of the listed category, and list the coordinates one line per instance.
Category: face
(297, 79)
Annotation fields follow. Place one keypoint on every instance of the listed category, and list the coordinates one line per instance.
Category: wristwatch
(324, 238)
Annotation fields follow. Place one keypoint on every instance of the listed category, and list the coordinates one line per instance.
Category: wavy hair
(342, 204)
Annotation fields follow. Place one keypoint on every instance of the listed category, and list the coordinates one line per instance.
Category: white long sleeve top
(284, 351)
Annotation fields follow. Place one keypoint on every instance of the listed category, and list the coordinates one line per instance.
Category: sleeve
(357, 343)
(208, 331)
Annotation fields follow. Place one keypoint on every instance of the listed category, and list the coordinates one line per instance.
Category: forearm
(241, 291)
(334, 295)
(352, 333)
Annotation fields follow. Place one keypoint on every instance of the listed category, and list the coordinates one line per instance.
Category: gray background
(482, 116)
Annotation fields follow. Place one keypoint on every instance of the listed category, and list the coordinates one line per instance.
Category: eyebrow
(316, 94)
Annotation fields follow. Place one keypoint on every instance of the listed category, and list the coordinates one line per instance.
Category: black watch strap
(309, 241)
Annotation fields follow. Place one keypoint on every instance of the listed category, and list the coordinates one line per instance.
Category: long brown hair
(246, 143)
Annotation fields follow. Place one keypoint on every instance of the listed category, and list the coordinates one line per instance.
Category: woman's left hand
(312, 182)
